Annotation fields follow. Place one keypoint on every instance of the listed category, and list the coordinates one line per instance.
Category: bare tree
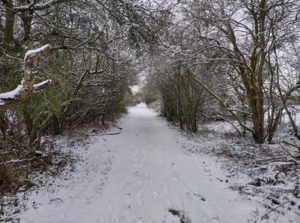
(248, 34)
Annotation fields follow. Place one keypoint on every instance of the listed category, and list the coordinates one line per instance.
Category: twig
(17, 161)
(292, 156)
(112, 133)
(291, 144)
(274, 209)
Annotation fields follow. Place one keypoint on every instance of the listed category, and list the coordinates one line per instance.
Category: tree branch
(27, 85)
(33, 6)
(193, 76)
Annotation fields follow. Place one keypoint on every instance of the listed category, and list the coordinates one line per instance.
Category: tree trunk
(9, 27)
(26, 19)
(257, 107)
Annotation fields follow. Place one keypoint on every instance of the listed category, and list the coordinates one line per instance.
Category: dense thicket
(91, 64)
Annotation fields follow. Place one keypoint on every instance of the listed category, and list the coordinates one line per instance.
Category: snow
(38, 50)
(11, 94)
(41, 84)
(137, 176)
(15, 93)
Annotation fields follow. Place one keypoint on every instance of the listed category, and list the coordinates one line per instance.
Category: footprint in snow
(55, 200)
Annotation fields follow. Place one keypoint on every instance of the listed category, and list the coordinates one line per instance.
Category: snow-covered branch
(27, 85)
(33, 6)
(41, 85)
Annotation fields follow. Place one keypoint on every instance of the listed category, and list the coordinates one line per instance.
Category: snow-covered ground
(137, 176)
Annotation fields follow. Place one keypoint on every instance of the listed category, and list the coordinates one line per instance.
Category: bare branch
(34, 7)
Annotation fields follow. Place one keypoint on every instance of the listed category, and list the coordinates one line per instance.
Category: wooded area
(64, 63)
(91, 63)
(242, 55)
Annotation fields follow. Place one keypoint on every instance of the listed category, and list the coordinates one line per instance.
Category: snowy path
(135, 177)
